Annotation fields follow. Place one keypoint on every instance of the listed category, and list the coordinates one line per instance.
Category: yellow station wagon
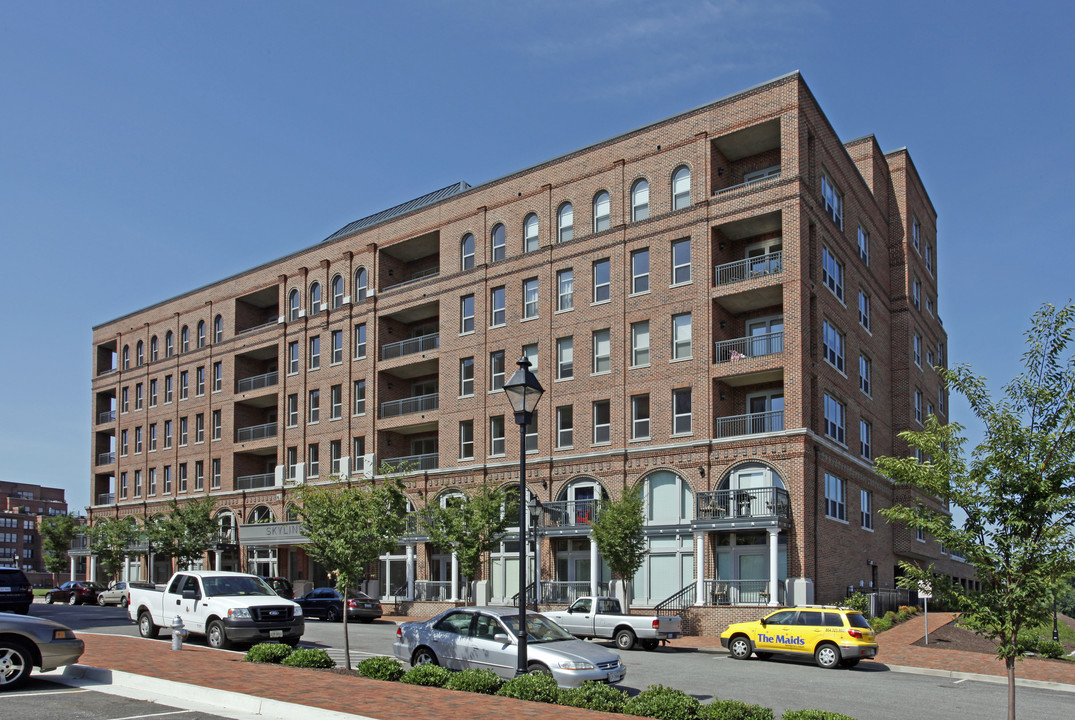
(832, 635)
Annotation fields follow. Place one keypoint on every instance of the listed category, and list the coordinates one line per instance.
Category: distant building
(22, 507)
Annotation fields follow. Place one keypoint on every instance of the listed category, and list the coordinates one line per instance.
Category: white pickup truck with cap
(601, 617)
(225, 607)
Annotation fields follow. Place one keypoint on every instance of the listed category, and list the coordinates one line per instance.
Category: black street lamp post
(523, 391)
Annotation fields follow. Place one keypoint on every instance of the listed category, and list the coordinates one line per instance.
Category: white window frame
(531, 232)
(682, 421)
(466, 314)
(832, 273)
(361, 284)
(466, 445)
(865, 439)
(565, 358)
(466, 252)
(681, 271)
(835, 419)
(565, 427)
(496, 379)
(498, 310)
(835, 498)
(530, 298)
(565, 222)
(864, 246)
(681, 188)
(602, 286)
(832, 345)
(313, 406)
(602, 211)
(335, 395)
(360, 341)
(602, 351)
(866, 375)
(496, 442)
(293, 357)
(606, 426)
(565, 290)
(315, 353)
(359, 389)
(640, 425)
(336, 347)
(639, 277)
(498, 243)
(337, 290)
(916, 349)
(466, 377)
(640, 354)
(832, 200)
(864, 310)
(918, 406)
(639, 200)
(682, 343)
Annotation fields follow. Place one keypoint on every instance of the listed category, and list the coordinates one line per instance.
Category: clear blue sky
(149, 148)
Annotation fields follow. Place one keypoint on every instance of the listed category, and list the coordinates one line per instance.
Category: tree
(185, 533)
(472, 526)
(619, 533)
(111, 539)
(57, 532)
(1016, 490)
(350, 526)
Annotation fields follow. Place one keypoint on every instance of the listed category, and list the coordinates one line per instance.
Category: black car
(282, 586)
(326, 603)
(16, 594)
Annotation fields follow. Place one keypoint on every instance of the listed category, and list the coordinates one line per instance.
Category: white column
(537, 568)
(219, 560)
(73, 561)
(595, 567)
(410, 572)
(699, 572)
(91, 573)
(774, 566)
(126, 568)
(455, 578)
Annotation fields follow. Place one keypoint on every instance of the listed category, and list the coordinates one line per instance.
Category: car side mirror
(191, 595)
(501, 638)
(763, 623)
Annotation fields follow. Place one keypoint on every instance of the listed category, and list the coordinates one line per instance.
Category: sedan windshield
(215, 586)
(539, 629)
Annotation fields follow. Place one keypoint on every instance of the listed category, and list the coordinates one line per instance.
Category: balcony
(563, 592)
(432, 590)
(106, 458)
(226, 536)
(106, 417)
(409, 406)
(258, 382)
(766, 503)
(750, 424)
(749, 347)
(415, 463)
(739, 592)
(80, 542)
(106, 498)
(415, 277)
(759, 177)
(749, 269)
(569, 513)
(255, 432)
(410, 346)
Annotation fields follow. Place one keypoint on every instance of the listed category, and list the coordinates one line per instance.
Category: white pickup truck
(225, 607)
(602, 617)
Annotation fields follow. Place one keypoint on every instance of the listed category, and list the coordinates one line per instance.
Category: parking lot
(44, 699)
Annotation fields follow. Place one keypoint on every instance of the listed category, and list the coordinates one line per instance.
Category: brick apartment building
(732, 312)
(22, 507)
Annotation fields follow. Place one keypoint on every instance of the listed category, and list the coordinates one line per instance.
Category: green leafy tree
(1016, 490)
(472, 526)
(57, 532)
(350, 525)
(619, 533)
(185, 533)
(110, 540)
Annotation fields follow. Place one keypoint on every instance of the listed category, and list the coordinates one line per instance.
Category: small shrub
(309, 658)
(428, 675)
(734, 710)
(535, 688)
(1051, 648)
(890, 616)
(267, 653)
(485, 682)
(881, 624)
(381, 668)
(858, 601)
(904, 614)
(595, 696)
(1027, 642)
(813, 715)
(663, 703)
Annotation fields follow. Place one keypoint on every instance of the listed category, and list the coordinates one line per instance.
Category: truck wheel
(650, 644)
(827, 656)
(216, 637)
(739, 647)
(625, 639)
(15, 664)
(146, 628)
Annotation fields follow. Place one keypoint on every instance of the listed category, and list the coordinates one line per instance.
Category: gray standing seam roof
(401, 209)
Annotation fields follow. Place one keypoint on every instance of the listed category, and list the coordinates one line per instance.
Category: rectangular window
(123, 485)
(335, 452)
(835, 414)
(360, 397)
(152, 479)
(216, 424)
(530, 352)
(602, 281)
(360, 341)
(292, 462)
(681, 261)
(864, 310)
(865, 374)
(335, 395)
(681, 336)
(639, 417)
(359, 446)
(940, 399)
(929, 258)
(167, 479)
(466, 440)
(466, 377)
(601, 212)
(199, 428)
(124, 395)
(832, 273)
(865, 439)
(530, 298)
(337, 346)
(602, 351)
(496, 370)
(182, 480)
(565, 289)
(138, 396)
(917, 411)
(916, 348)
(138, 440)
(167, 389)
(916, 294)
(864, 246)
(315, 352)
(565, 426)
(218, 377)
(313, 466)
(184, 385)
(168, 434)
(199, 475)
(640, 343)
(199, 381)
(832, 200)
(496, 435)
(832, 345)
(916, 234)
(153, 393)
(681, 411)
(315, 406)
(182, 431)
(640, 271)
(215, 476)
(152, 437)
(920, 535)
(466, 314)
(292, 357)
(292, 410)
(497, 310)
(532, 433)
(835, 498)
(602, 422)
(565, 355)
(137, 490)
(500, 243)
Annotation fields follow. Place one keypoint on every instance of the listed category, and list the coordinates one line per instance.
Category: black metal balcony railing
(408, 406)
(761, 502)
(561, 591)
(750, 424)
(106, 458)
(80, 542)
(569, 513)
(255, 432)
(410, 346)
(106, 416)
(252, 482)
(749, 347)
(754, 267)
(258, 381)
(414, 463)
(740, 592)
(106, 498)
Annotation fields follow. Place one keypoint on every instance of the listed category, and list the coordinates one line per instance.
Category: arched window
(169, 344)
(361, 283)
(337, 291)
(499, 240)
(640, 200)
(601, 211)
(226, 531)
(530, 233)
(126, 357)
(218, 329)
(261, 514)
(153, 348)
(667, 497)
(184, 339)
(749, 490)
(580, 501)
(292, 513)
(681, 187)
(466, 252)
(315, 298)
(201, 333)
(449, 497)
(293, 306)
(565, 222)
(140, 353)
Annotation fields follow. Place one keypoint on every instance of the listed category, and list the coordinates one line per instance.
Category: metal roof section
(401, 209)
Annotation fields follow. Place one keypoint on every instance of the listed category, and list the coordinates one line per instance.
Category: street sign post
(925, 592)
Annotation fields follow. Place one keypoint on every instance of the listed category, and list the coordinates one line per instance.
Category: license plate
(615, 677)
(672, 636)
(5, 589)
(276, 633)
(367, 605)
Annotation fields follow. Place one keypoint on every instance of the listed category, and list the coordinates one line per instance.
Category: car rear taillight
(656, 623)
(378, 606)
(855, 633)
(399, 632)
(352, 604)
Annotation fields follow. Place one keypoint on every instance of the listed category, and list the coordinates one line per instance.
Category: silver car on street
(27, 641)
(485, 638)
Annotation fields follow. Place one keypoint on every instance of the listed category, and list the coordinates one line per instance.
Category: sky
(150, 148)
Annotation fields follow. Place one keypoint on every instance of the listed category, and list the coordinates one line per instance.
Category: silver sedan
(485, 638)
(27, 641)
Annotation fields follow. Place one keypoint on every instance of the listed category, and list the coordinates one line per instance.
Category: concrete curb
(143, 687)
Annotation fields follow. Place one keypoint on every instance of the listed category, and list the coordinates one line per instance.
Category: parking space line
(64, 691)
(150, 715)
